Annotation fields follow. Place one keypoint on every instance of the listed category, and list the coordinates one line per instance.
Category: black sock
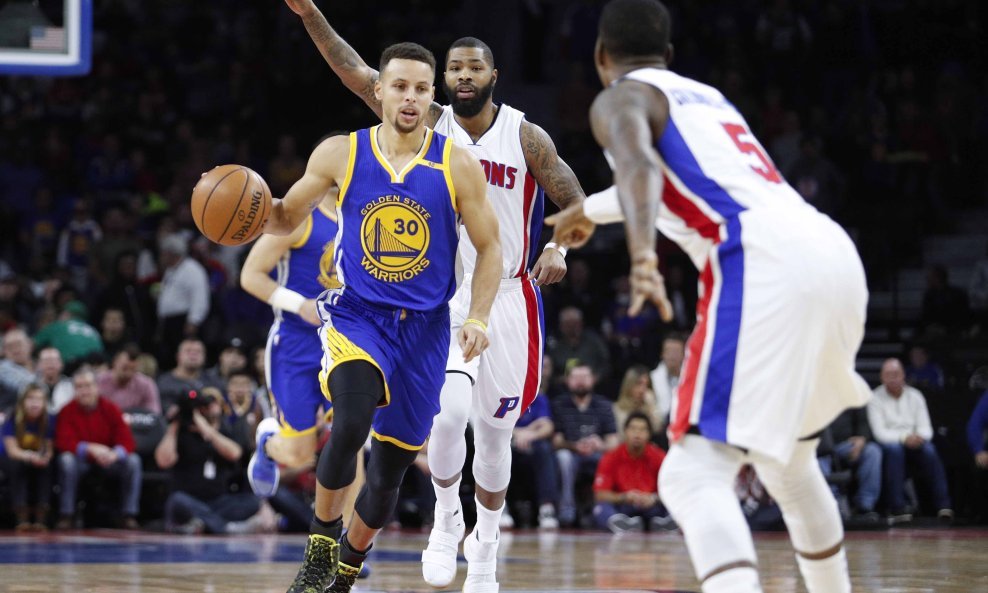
(352, 557)
(331, 529)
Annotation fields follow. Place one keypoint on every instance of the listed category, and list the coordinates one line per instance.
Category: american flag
(48, 38)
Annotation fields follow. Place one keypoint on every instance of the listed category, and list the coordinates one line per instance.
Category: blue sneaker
(262, 471)
(365, 571)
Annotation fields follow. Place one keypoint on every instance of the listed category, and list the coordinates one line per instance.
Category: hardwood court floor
(899, 561)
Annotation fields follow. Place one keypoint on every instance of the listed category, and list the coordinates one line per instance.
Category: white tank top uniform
(782, 289)
(506, 376)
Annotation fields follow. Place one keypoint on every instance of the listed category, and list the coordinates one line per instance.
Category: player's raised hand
(550, 267)
(473, 340)
(573, 228)
(301, 7)
(648, 285)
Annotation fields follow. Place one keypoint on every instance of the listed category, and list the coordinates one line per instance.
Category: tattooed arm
(355, 74)
(562, 187)
(626, 118)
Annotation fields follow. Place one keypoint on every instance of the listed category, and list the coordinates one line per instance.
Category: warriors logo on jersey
(395, 237)
(327, 268)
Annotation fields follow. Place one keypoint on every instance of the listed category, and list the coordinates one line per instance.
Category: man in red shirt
(626, 486)
(91, 435)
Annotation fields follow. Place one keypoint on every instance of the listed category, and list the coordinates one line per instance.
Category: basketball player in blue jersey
(522, 165)
(403, 191)
(771, 361)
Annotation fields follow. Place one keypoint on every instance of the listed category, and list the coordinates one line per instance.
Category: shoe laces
(321, 553)
(346, 575)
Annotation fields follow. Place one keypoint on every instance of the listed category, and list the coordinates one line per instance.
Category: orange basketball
(231, 204)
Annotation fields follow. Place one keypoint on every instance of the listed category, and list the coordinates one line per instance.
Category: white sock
(828, 575)
(448, 498)
(488, 522)
(736, 580)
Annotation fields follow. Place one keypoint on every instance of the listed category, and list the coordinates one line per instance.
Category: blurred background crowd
(875, 111)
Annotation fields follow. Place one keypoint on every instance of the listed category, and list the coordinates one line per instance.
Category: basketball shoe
(319, 566)
(481, 565)
(345, 577)
(262, 471)
(439, 557)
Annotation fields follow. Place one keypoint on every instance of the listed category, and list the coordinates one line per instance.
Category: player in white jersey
(781, 314)
(520, 161)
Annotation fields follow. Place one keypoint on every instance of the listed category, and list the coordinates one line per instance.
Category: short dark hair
(635, 28)
(407, 51)
(131, 350)
(472, 42)
(637, 416)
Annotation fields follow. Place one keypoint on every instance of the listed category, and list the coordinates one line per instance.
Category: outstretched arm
(625, 118)
(562, 187)
(479, 219)
(355, 74)
(325, 170)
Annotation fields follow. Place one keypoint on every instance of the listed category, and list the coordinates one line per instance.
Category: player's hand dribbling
(573, 228)
(550, 267)
(301, 7)
(310, 313)
(473, 340)
(647, 284)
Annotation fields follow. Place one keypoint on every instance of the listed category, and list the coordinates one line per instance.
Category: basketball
(231, 204)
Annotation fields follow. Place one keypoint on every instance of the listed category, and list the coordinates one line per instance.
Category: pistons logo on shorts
(507, 404)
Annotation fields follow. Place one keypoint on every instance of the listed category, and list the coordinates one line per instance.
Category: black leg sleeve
(385, 471)
(356, 388)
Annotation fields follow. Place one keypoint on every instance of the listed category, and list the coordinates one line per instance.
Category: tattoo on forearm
(344, 60)
(554, 175)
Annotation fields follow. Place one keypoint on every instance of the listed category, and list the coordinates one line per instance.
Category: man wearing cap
(183, 302)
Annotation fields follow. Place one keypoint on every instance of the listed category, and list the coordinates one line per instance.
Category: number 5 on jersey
(767, 170)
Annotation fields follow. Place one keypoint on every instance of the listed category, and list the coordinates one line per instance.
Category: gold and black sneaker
(322, 556)
(345, 577)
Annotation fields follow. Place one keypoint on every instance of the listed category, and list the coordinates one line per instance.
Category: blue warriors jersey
(398, 230)
(307, 268)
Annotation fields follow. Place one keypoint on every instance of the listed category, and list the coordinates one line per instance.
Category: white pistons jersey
(713, 166)
(512, 191)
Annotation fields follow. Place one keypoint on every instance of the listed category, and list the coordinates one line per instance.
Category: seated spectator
(532, 461)
(665, 377)
(127, 388)
(16, 367)
(75, 339)
(636, 396)
(585, 429)
(200, 450)
(91, 435)
(243, 408)
(626, 489)
(231, 359)
(130, 298)
(922, 373)
(27, 437)
(51, 377)
(183, 303)
(853, 447)
(186, 376)
(977, 439)
(576, 344)
(901, 424)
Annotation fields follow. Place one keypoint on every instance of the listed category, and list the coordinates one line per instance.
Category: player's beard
(472, 106)
(405, 128)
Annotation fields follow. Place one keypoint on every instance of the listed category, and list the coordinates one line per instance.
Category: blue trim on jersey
(536, 225)
(724, 350)
(680, 159)
(538, 299)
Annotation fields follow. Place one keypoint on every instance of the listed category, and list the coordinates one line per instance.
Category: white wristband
(286, 300)
(562, 250)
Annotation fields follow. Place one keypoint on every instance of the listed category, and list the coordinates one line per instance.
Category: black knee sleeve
(385, 471)
(356, 388)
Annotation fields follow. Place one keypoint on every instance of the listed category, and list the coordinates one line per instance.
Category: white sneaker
(481, 565)
(547, 517)
(439, 557)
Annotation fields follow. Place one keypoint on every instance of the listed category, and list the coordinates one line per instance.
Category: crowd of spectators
(876, 112)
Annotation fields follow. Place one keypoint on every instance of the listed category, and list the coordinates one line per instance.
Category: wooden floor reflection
(906, 561)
